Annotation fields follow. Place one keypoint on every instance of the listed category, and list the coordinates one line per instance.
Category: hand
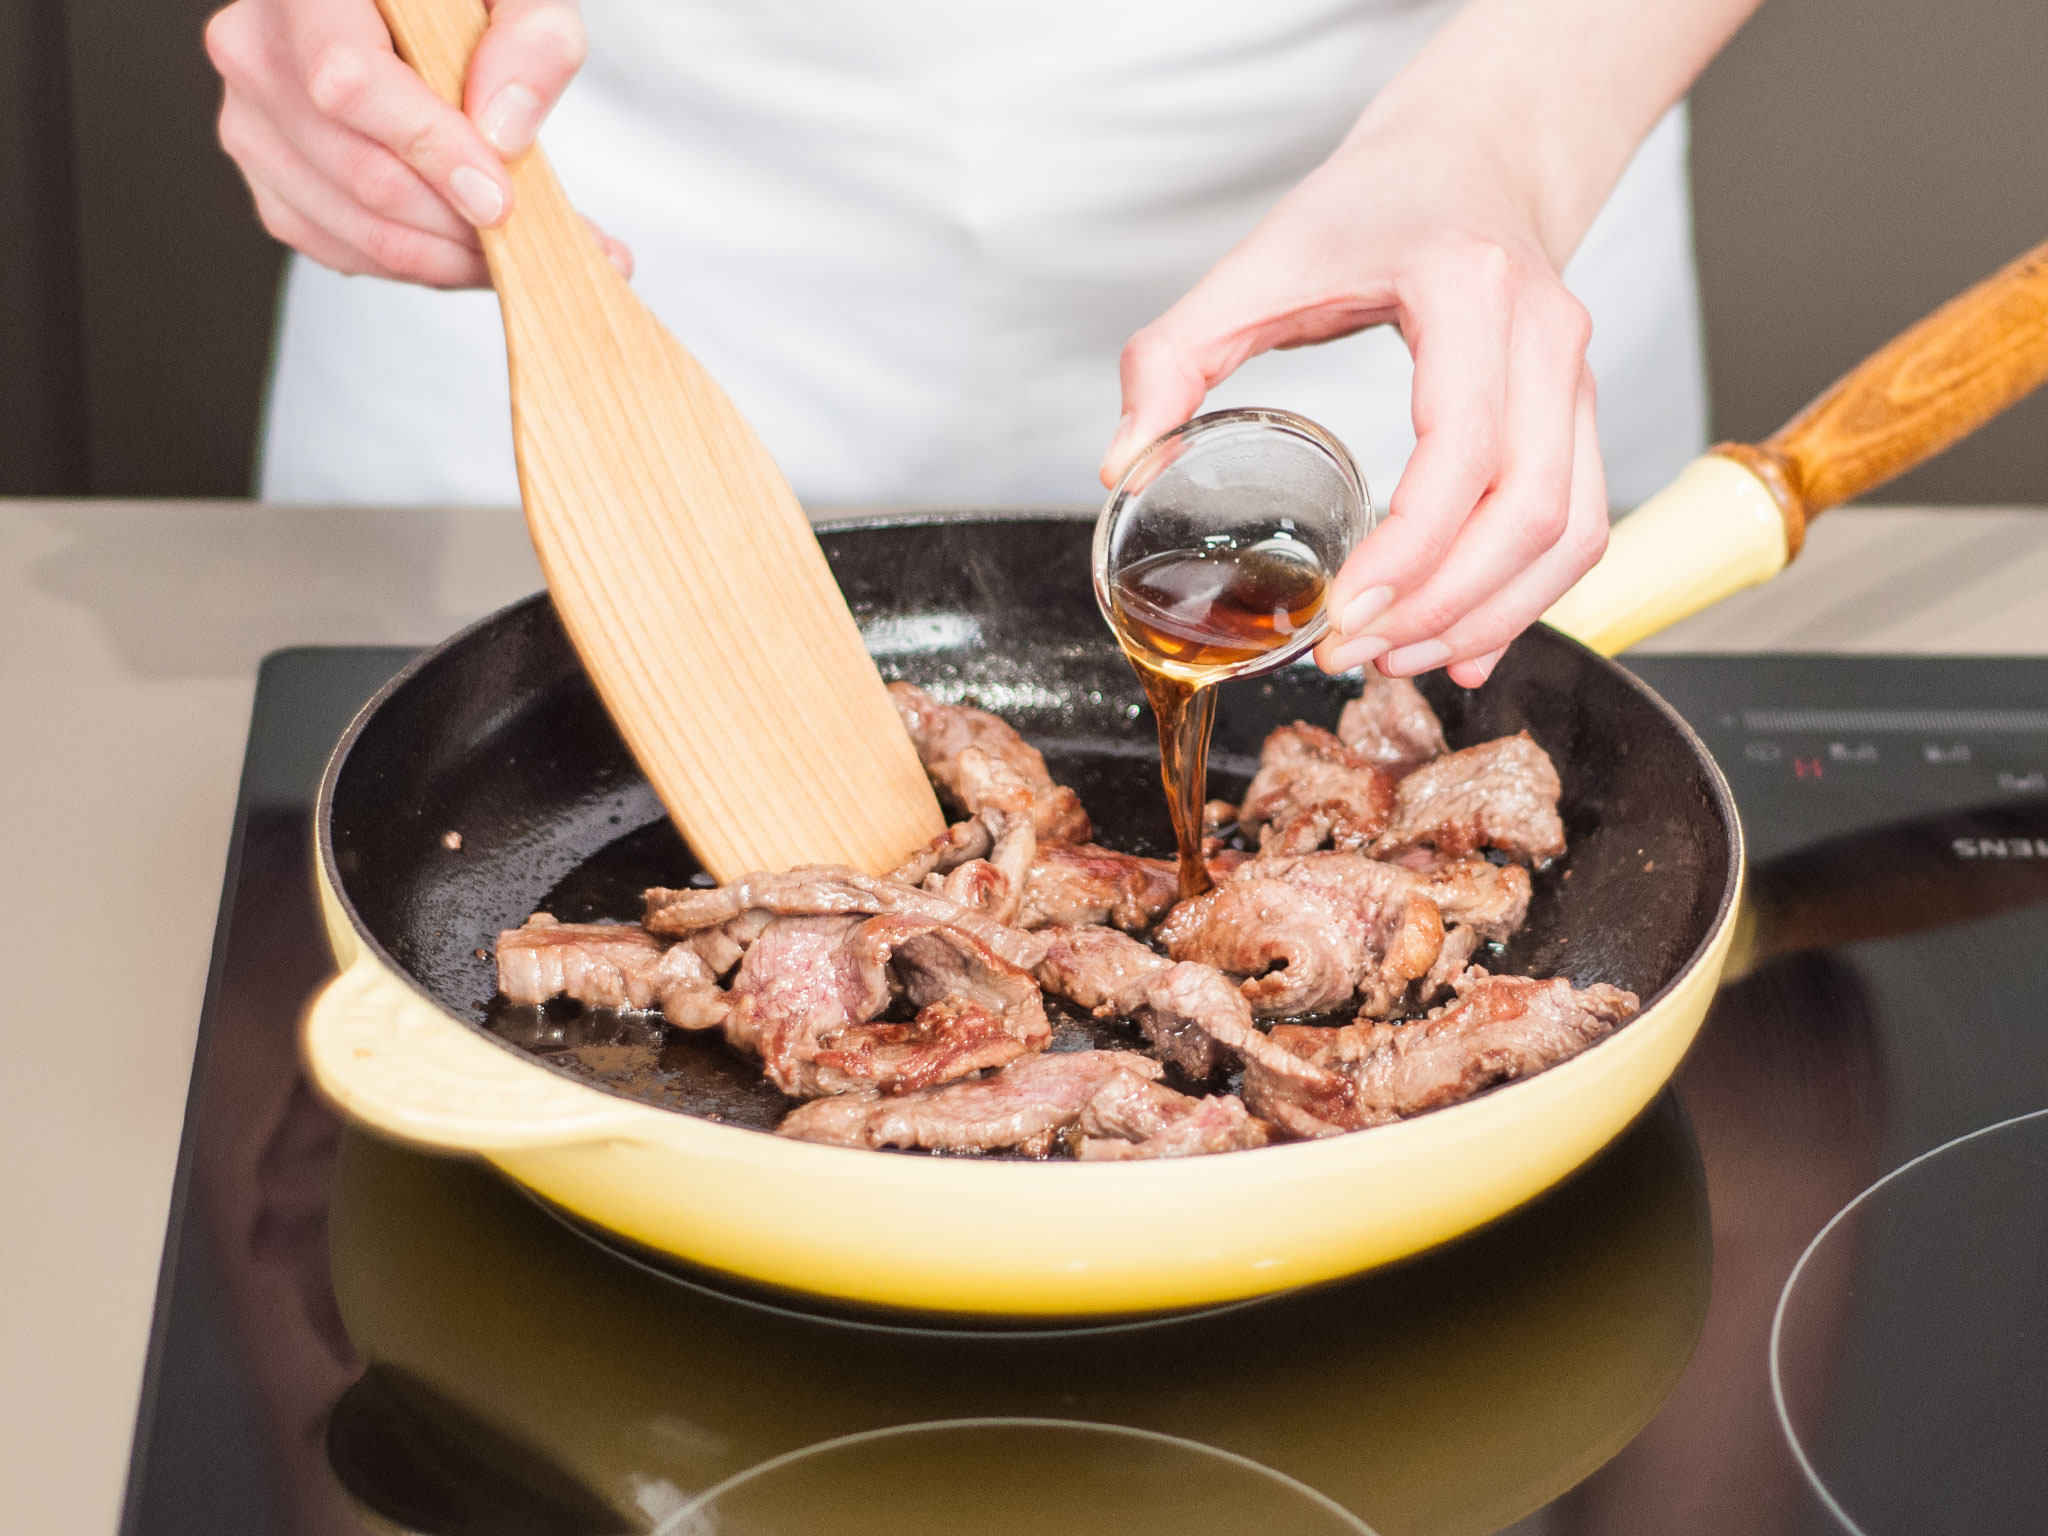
(351, 156)
(1449, 211)
(1503, 505)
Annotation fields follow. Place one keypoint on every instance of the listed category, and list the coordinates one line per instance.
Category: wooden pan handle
(1927, 388)
(1739, 512)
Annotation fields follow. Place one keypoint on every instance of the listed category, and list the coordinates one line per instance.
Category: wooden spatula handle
(682, 566)
(1927, 388)
(436, 39)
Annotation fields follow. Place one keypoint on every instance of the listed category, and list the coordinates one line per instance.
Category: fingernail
(1363, 609)
(1356, 653)
(511, 119)
(619, 257)
(476, 195)
(1411, 659)
(1113, 461)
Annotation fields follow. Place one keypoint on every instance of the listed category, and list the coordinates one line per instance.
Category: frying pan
(497, 736)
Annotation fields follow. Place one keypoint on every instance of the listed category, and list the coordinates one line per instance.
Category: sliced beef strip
(1195, 1016)
(1098, 969)
(979, 760)
(949, 1039)
(960, 842)
(1391, 724)
(804, 981)
(1408, 952)
(1193, 1001)
(1492, 898)
(994, 886)
(1217, 1124)
(1296, 952)
(1500, 794)
(1460, 944)
(819, 890)
(1025, 1105)
(1311, 933)
(808, 992)
(1311, 789)
(975, 1010)
(607, 965)
(1499, 1029)
(1129, 1107)
(1085, 883)
(1113, 975)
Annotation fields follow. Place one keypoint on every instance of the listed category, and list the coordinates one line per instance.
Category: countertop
(130, 634)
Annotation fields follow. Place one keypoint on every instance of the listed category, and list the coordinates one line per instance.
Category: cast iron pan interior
(497, 735)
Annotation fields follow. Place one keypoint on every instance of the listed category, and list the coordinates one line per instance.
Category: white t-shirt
(910, 238)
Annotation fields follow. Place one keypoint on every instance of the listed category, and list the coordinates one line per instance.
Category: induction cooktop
(1804, 1293)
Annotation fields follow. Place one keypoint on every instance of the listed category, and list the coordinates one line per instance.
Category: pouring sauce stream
(1189, 618)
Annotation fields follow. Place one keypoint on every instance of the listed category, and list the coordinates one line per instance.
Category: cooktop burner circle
(1012, 1477)
(1909, 1354)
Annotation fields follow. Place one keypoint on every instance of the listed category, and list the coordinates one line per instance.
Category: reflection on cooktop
(1475, 1377)
(1935, 1419)
(353, 1337)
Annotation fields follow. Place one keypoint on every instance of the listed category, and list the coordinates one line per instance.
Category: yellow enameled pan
(497, 736)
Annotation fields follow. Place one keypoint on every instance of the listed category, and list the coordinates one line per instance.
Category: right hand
(351, 156)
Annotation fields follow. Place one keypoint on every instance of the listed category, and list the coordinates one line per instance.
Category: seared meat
(1312, 933)
(933, 960)
(980, 761)
(1130, 1108)
(1098, 968)
(804, 981)
(1460, 944)
(1114, 975)
(976, 1010)
(603, 965)
(808, 992)
(1407, 952)
(607, 965)
(1501, 794)
(1492, 898)
(1311, 789)
(1500, 1028)
(818, 890)
(1192, 1001)
(949, 1039)
(1296, 952)
(1218, 1124)
(1024, 1105)
(1191, 1014)
(963, 840)
(1083, 883)
(994, 885)
(1391, 723)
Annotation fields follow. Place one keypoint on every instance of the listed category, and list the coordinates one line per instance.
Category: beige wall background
(1856, 162)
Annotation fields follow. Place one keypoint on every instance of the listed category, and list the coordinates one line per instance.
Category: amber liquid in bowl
(1188, 618)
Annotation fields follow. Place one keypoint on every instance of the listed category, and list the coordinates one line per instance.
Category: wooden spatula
(684, 571)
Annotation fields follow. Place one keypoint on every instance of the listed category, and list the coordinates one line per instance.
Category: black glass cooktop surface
(1803, 1294)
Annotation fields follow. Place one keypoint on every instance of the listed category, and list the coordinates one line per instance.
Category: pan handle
(1738, 514)
(388, 1057)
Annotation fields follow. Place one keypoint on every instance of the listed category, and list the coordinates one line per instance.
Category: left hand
(1504, 504)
